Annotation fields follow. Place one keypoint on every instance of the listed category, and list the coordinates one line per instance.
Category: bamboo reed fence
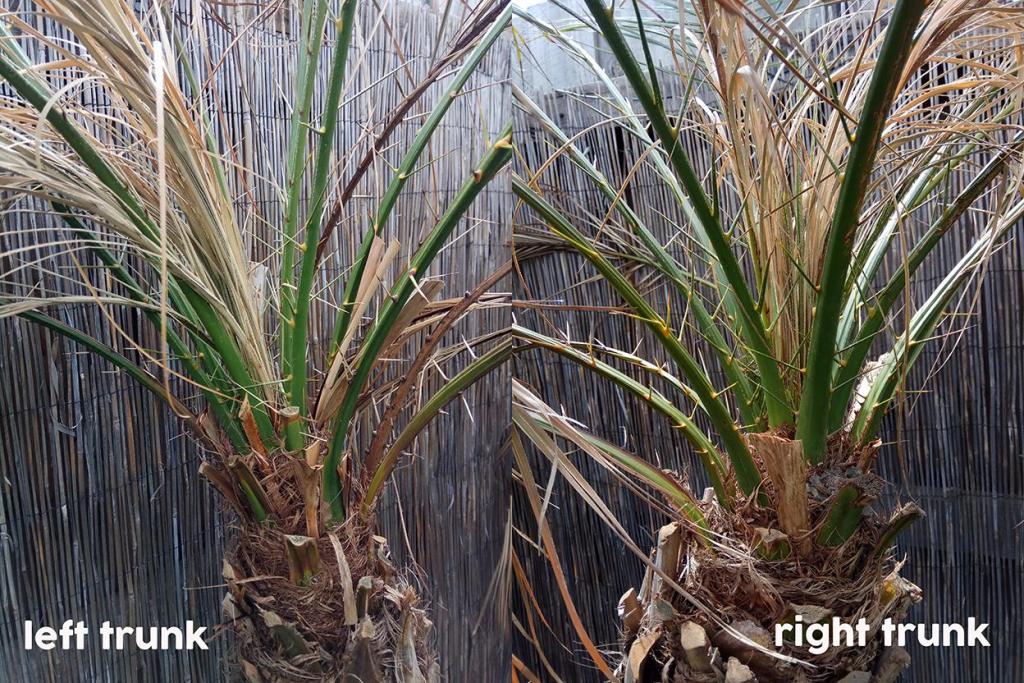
(958, 455)
(103, 516)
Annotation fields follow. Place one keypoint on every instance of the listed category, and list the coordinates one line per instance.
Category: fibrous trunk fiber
(354, 620)
(309, 601)
(765, 562)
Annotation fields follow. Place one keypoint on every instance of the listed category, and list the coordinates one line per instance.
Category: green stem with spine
(706, 450)
(756, 336)
(295, 382)
(452, 388)
(747, 475)
(704, 321)
(204, 382)
(404, 172)
(496, 157)
(853, 358)
(97, 347)
(314, 17)
(185, 296)
(812, 419)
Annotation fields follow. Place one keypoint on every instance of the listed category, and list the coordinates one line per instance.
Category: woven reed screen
(960, 452)
(103, 516)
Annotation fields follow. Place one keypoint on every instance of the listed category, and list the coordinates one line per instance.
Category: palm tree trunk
(767, 563)
(309, 602)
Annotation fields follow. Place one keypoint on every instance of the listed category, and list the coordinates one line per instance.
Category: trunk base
(762, 565)
(355, 620)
